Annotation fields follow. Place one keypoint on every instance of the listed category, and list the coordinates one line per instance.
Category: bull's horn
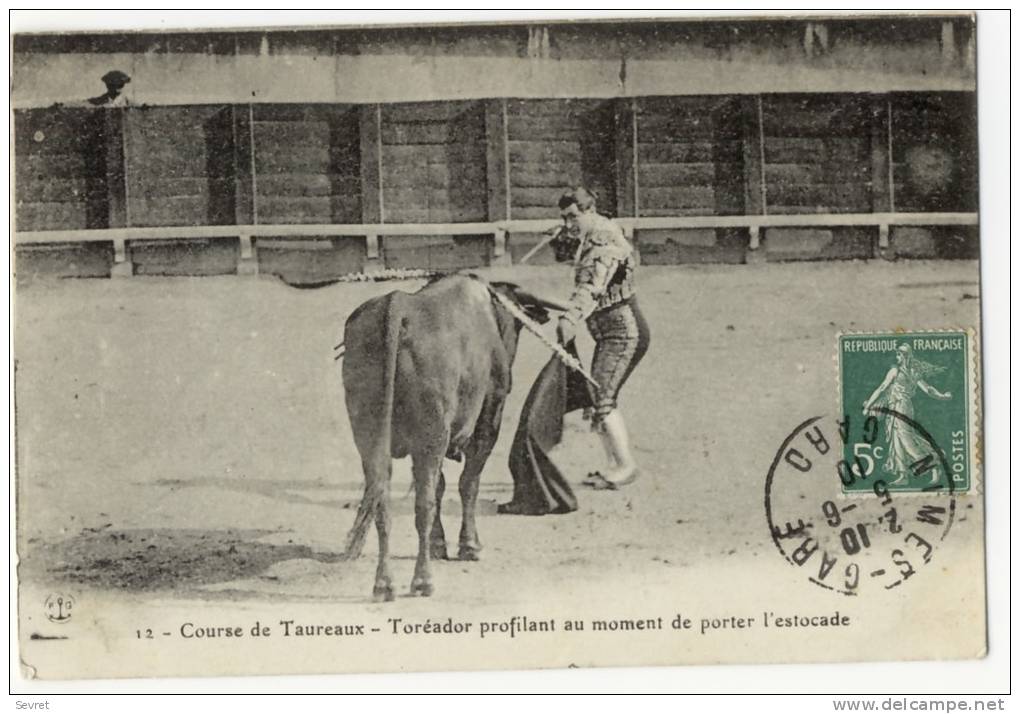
(547, 303)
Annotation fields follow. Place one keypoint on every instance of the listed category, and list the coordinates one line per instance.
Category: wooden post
(948, 42)
(497, 152)
(248, 263)
(754, 239)
(122, 265)
(892, 156)
(754, 158)
(754, 171)
(370, 121)
(883, 237)
(497, 164)
(499, 254)
(244, 165)
(245, 188)
(372, 247)
(881, 161)
(626, 159)
(115, 133)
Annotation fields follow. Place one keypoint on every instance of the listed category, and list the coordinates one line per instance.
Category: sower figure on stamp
(604, 296)
(896, 392)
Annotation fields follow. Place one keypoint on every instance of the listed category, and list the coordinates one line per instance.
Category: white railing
(499, 230)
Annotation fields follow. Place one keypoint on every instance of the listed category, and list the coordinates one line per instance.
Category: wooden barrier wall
(690, 156)
(557, 143)
(60, 165)
(499, 159)
(307, 164)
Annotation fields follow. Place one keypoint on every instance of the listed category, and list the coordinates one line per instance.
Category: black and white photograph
(497, 345)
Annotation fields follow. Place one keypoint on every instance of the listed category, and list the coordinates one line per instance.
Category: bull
(426, 375)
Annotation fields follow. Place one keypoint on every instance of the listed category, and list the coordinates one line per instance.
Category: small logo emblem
(59, 607)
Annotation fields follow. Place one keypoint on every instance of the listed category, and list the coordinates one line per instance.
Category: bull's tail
(378, 462)
(356, 536)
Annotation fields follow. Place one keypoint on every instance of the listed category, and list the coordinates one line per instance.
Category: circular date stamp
(835, 517)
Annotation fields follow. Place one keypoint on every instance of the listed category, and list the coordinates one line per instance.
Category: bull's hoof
(382, 593)
(437, 551)
(468, 553)
(421, 587)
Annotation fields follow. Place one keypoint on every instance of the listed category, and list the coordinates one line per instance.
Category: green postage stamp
(914, 392)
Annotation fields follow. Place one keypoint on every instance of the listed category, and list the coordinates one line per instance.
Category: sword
(533, 327)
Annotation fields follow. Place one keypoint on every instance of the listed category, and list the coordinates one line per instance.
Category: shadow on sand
(164, 559)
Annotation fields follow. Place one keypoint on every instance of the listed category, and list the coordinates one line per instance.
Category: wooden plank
(539, 221)
(50, 215)
(116, 159)
(345, 209)
(406, 176)
(297, 159)
(401, 198)
(647, 211)
(145, 162)
(881, 197)
(167, 212)
(842, 196)
(424, 111)
(558, 176)
(295, 184)
(793, 150)
(545, 151)
(817, 173)
(467, 174)
(627, 156)
(656, 175)
(676, 152)
(415, 133)
(690, 106)
(815, 118)
(174, 186)
(53, 130)
(318, 208)
(549, 213)
(538, 108)
(243, 164)
(265, 113)
(307, 185)
(678, 197)
(371, 187)
(43, 167)
(754, 184)
(291, 134)
(187, 204)
(544, 128)
(536, 197)
(410, 155)
(54, 190)
(405, 214)
(693, 127)
(437, 176)
(467, 154)
(455, 214)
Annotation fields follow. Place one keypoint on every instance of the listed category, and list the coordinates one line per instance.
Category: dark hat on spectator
(116, 77)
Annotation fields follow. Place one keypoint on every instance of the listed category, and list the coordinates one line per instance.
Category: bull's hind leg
(477, 453)
(437, 539)
(425, 469)
(383, 589)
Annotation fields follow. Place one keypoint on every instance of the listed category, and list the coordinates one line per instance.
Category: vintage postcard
(498, 345)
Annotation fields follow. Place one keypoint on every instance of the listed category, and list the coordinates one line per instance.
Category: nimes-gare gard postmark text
(862, 501)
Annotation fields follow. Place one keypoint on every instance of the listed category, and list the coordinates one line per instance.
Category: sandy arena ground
(185, 440)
